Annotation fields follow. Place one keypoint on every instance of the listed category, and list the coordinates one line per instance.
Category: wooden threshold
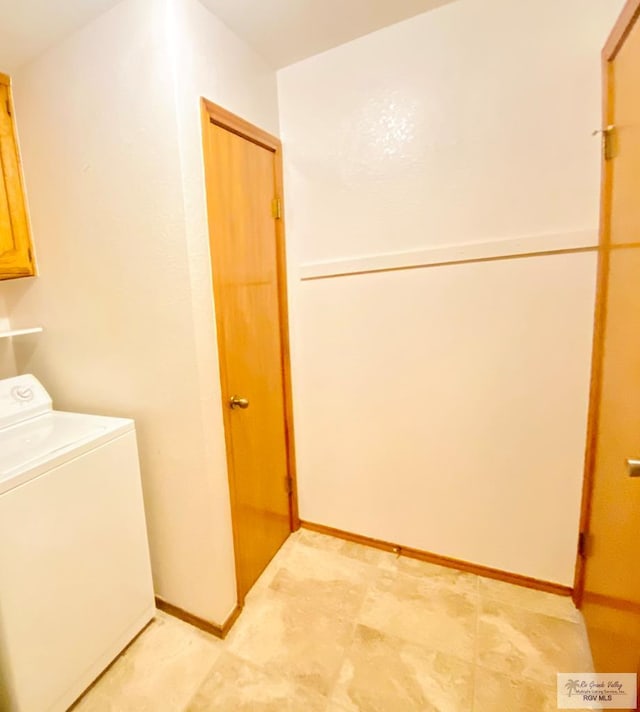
(485, 571)
(220, 631)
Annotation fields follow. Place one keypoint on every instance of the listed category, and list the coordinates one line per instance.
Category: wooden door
(243, 167)
(16, 258)
(608, 577)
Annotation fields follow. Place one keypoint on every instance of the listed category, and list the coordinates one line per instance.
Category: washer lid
(46, 438)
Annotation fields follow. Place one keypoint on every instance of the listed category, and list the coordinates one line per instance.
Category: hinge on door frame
(288, 484)
(276, 208)
(583, 544)
(9, 107)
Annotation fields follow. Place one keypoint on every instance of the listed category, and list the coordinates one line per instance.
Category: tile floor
(333, 626)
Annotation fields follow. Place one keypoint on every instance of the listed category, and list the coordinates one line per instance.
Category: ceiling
(30, 26)
(286, 31)
(282, 31)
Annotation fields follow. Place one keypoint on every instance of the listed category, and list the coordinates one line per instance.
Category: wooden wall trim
(489, 250)
(630, 13)
(593, 419)
(220, 631)
(221, 117)
(460, 565)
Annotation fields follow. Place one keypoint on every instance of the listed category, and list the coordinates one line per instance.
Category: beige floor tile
(158, 673)
(286, 636)
(385, 674)
(324, 579)
(272, 569)
(433, 573)
(522, 643)
(297, 646)
(417, 610)
(539, 601)
(235, 685)
(495, 692)
(367, 554)
(333, 706)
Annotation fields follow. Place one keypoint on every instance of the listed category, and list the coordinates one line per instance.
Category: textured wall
(445, 407)
(123, 292)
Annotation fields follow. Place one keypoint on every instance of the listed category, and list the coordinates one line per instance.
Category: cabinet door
(16, 259)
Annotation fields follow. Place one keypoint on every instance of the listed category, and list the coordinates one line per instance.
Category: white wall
(444, 407)
(99, 147)
(7, 358)
(120, 231)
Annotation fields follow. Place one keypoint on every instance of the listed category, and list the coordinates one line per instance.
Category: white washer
(75, 578)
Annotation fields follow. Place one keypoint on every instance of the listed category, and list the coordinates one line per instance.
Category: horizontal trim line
(220, 631)
(486, 571)
(532, 246)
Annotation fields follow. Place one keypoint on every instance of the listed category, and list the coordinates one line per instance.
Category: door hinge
(583, 544)
(276, 208)
(9, 107)
(288, 484)
(608, 141)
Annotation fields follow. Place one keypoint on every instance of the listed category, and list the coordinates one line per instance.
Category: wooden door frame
(628, 17)
(213, 114)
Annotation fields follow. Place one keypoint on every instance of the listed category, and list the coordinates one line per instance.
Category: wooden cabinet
(16, 255)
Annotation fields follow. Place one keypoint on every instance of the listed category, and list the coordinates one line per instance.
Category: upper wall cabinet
(16, 255)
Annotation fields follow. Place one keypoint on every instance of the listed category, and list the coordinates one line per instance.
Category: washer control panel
(22, 397)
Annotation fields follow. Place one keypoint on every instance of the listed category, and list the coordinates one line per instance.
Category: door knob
(237, 402)
(634, 467)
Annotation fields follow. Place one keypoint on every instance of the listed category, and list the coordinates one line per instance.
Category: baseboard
(220, 631)
(486, 571)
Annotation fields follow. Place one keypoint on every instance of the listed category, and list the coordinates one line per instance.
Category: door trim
(213, 114)
(621, 29)
(628, 17)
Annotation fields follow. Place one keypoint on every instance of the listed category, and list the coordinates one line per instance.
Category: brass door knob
(238, 402)
(633, 466)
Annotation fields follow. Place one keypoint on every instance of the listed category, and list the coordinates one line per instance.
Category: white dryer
(75, 578)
